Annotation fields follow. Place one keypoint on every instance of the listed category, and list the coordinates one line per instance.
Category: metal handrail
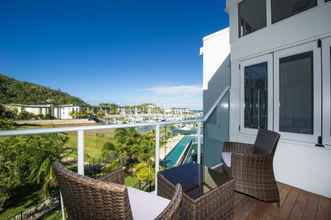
(87, 128)
(211, 110)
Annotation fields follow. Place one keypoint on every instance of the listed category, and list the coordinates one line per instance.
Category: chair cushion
(227, 158)
(146, 205)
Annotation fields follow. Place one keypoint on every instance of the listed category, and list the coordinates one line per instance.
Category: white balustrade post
(62, 207)
(157, 153)
(199, 143)
(80, 151)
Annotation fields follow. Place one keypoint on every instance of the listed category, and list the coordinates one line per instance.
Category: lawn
(93, 142)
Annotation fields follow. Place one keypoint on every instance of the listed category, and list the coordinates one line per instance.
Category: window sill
(250, 138)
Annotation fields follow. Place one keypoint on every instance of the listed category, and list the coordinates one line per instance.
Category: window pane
(252, 16)
(296, 93)
(281, 9)
(256, 96)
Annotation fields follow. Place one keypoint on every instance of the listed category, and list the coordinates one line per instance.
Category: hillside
(20, 92)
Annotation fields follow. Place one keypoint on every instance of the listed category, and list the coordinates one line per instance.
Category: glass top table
(196, 180)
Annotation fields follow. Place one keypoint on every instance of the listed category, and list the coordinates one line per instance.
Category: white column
(80, 150)
(199, 143)
(157, 153)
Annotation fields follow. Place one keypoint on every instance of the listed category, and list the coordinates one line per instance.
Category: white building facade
(64, 111)
(279, 71)
(33, 109)
(57, 111)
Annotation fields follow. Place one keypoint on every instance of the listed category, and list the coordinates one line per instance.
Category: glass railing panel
(132, 149)
(180, 147)
(216, 132)
(28, 186)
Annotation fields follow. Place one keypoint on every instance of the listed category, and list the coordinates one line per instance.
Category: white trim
(312, 46)
(217, 33)
(269, 60)
(326, 93)
(285, 46)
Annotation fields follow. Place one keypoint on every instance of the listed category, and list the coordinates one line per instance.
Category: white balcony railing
(80, 137)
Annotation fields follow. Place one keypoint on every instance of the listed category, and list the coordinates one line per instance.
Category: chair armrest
(248, 165)
(116, 176)
(235, 147)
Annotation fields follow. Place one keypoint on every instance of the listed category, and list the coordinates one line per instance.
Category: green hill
(20, 92)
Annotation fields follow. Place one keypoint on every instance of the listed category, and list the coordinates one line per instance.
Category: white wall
(308, 25)
(296, 163)
(216, 48)
(63, 112)
(33, 110)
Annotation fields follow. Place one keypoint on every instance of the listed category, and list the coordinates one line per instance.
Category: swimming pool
(173, 157)
(190, 152)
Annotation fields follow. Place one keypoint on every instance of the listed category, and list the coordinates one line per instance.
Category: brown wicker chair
(252, 166)
(106, 197)
(172, 212)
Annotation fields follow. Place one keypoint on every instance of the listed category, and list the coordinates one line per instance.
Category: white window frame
(261, 59)
(312, 46)
(326, 71)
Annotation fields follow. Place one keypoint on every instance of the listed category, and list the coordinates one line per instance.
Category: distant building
(56, 111)
(33, 109)
(177, 111)
(64, 111)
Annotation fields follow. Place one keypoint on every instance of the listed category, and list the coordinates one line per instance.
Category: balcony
(294, 203)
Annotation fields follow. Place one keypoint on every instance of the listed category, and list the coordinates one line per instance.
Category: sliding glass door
(256, 94)
(297, 92)
(288, 91)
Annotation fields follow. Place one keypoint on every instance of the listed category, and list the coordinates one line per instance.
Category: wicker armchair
(107, 198)
(251, 166)
(172, 212)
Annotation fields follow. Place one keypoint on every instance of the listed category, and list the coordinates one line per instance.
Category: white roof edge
(217, 33)
(201, 51)
(67, 105)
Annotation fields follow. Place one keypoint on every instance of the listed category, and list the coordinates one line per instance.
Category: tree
(25, 161)
(144, 172)
(24, 115)
(100, 113)
(7, 113)
(129, 148)
(14, 91)
(6, 118)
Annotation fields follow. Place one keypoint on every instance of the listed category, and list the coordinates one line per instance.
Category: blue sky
(122, 51)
